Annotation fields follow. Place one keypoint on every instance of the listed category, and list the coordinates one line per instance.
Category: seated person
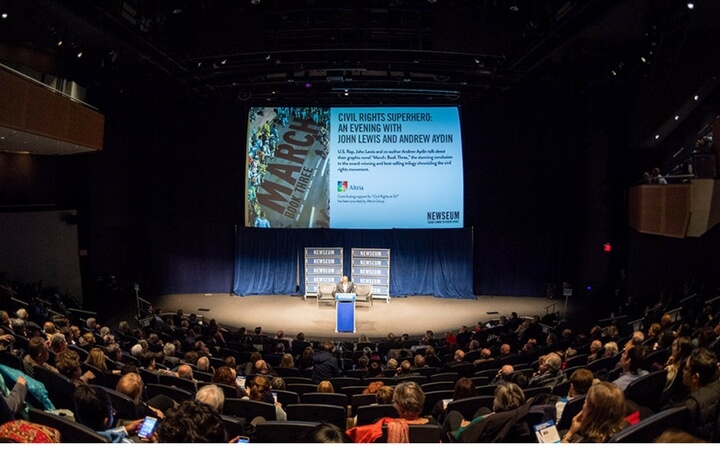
(602, 416)
(37, 355)
(408, 400)
(93, 408)
(464, 388)
(192, 422)
(508, 397)
(211, 395)
(132, 385)
(344, 285)
(68, 364)
(261, 391)
(631, 362)
(580, 382)
(550, 372)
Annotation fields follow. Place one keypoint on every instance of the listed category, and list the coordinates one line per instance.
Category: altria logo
(343, 186)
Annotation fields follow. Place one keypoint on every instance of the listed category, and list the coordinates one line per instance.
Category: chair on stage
(364, 293)
(325, 293)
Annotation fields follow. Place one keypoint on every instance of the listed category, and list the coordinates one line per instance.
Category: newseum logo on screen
(443, 216)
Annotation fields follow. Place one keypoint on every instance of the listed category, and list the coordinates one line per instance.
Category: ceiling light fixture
(691, 5)
(4, 15)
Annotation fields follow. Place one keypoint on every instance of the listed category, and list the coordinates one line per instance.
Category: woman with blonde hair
(287, 361)
(326, 386)
(96, 358)
(602, 416)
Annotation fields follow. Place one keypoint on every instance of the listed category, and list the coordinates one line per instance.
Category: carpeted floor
(412, 315)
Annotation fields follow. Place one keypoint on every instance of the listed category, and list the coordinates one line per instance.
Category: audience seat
(431, 398)
(572, 407)
(70, 431)
(438, 386)
(249, 409)
(177, 394)
(59, 387)
(468, 406)
(419, 379)
(646, 431)
(287, 372)
(275, 432)
(336, 415)
(359, 400)
(325, 398)
(418, 434)
(424, 371)
(301, 389)
(488, 389)
(370, 413)
(341, 382)
(442, 376)
(124, 406)
(286, 397)
(182, 383)
(647, 389)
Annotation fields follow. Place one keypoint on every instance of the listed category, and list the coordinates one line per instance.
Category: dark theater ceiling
(394, 51)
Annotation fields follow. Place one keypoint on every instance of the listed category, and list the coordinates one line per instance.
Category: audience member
(549, 373)
(602, 416)
(580, 382)
(93, 408)
(211, 395)
(325, 365)
(37, 355)
(192, 422)
(631, 362)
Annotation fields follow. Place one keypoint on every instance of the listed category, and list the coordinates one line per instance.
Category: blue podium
(345, 312)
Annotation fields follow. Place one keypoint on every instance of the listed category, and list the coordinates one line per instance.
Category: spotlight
(657, 136)
(613, 72)
(677, 117)
(223, 62)
(79, 55)
(4, 15)
(59, 43)
(642, 58)
(696, 98)
(267, 58)
(691, 5)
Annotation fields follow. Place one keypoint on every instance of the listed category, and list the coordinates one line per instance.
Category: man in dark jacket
(700, 375)
(325, 365)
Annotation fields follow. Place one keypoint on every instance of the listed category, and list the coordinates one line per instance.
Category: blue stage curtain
(422, 262)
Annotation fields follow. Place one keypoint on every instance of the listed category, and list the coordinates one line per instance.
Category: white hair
(136, 350)
(211, 395)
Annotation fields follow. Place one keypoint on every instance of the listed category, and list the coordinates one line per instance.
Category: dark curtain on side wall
(422, 262)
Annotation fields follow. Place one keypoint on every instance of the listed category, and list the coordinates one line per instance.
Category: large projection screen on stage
(354, 167)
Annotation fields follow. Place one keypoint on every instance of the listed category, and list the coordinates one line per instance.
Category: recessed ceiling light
(696, 97)
(691, 5)
(4, 15)
(657, 136)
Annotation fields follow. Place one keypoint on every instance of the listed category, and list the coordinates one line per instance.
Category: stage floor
(412, 315)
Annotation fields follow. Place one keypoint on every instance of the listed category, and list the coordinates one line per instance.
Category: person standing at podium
(345, 286)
